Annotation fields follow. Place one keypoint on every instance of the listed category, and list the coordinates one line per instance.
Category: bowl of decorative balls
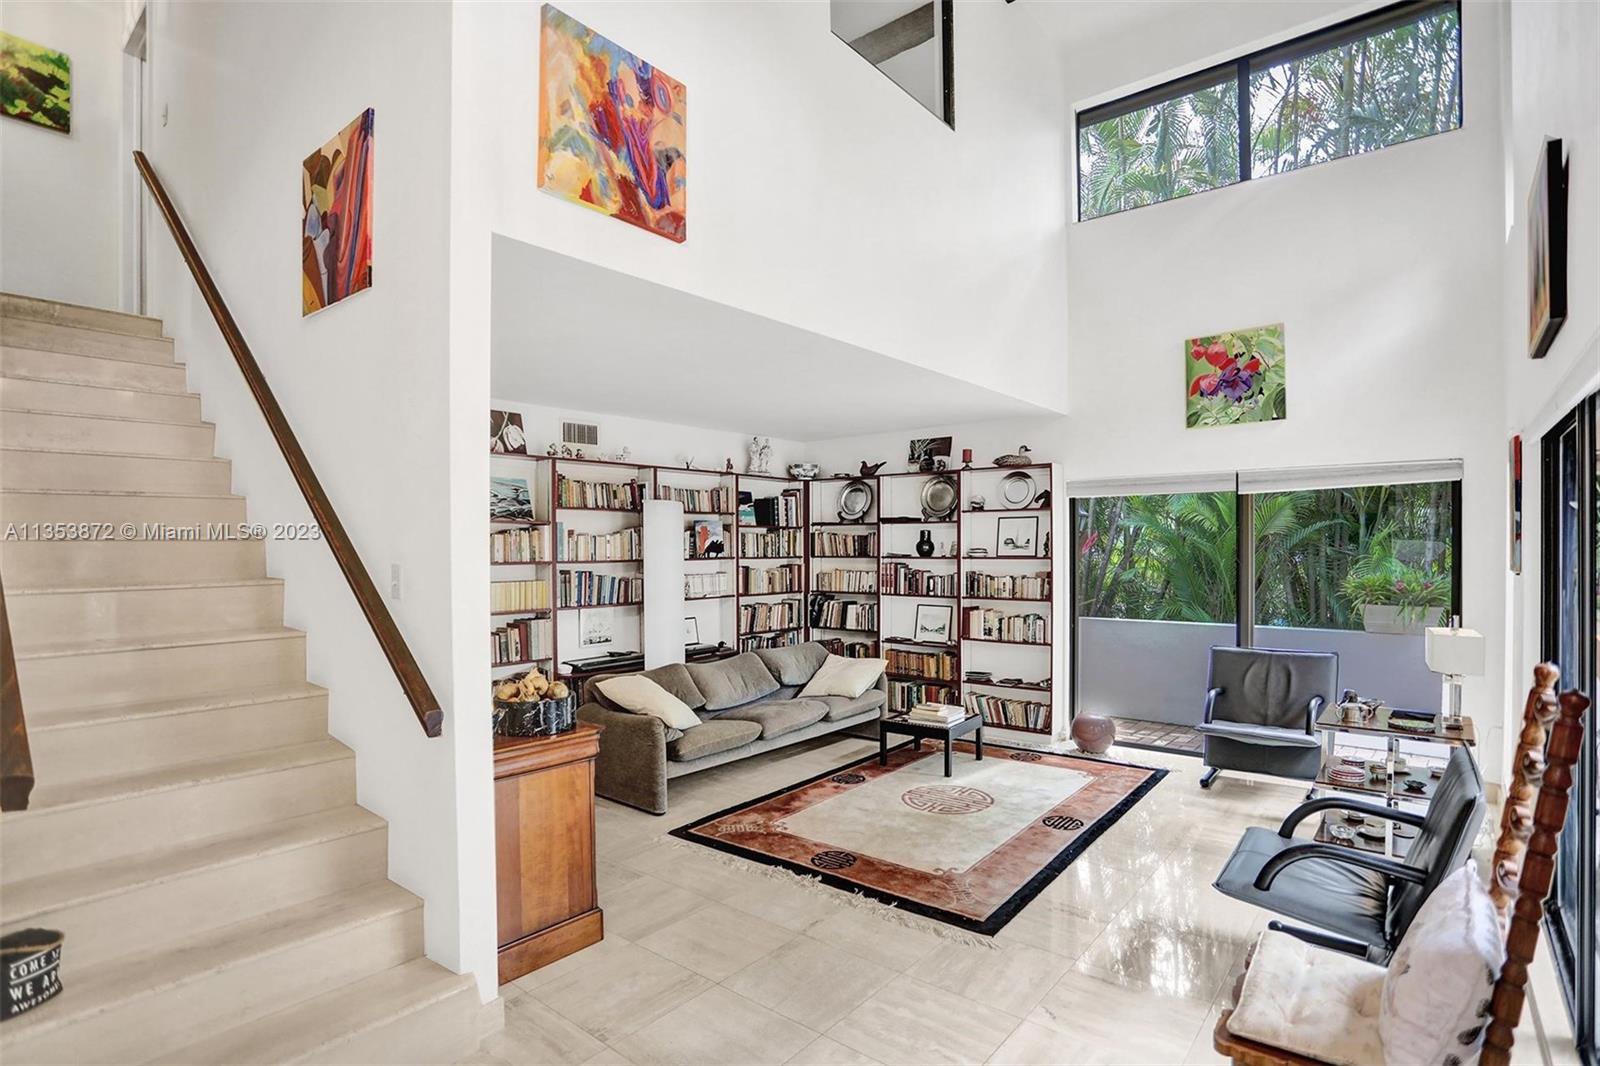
(532, 705)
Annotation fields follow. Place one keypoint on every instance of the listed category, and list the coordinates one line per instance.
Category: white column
(663, 583)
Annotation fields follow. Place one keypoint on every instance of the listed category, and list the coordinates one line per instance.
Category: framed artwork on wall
(506, 436)
(336, 217)
(691, 632)
(509, 499)
(1236, 377)
(612, 129)
(1516, 504)
(933, 623)
(1016, 535)
(35, 84)
(1547, 249)
(594, 628)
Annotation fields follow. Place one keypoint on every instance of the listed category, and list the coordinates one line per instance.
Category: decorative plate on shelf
(940, 498)
(1017, 489)
(855, 500)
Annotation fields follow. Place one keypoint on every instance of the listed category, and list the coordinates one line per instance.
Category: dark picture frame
(938, 614)
(691, 632)
(1022, 545)
(1547, 249)
(506, 435)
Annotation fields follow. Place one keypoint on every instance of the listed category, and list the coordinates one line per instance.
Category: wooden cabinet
(544, 848)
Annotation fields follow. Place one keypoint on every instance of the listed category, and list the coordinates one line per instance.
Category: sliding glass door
(1571, 624)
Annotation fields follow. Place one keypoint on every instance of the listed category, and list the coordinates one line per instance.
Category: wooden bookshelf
(538, 472)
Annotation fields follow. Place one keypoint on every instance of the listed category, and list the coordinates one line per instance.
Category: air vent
(584, 433)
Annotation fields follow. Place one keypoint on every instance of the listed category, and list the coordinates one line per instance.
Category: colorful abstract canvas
(336, 214)
(1237, 377)
(611, 129)
(35, 84)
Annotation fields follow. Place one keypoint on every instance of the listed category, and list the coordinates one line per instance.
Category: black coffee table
(899, 723)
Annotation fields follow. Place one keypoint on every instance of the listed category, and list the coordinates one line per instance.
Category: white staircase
(194, 831)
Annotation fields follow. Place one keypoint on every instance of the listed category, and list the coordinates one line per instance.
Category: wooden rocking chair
(1523, 868)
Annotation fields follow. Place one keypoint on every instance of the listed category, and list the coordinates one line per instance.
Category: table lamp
(1456, 653)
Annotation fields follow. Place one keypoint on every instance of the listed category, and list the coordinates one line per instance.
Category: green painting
(35, 84)
(1236, 377)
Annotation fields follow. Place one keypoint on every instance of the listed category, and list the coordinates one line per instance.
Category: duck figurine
(870, 469)
(1017, 458)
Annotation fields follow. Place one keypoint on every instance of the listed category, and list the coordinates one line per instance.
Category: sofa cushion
(639, 694)
(795, 664)
(839, 676)
(730, 682)
(841, 707)
(711, 737)
(673, 677)
(777, 717)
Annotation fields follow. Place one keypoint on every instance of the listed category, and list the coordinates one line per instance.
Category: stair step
(418, 1013)
(53, 564)
(15, 305)
(165, 511)
(79, 823)
(146, 1006)
(37, 468)
(80, 743)
(42, 616)
(33, 394)
(104, 433)
(84, 340)
(105, 370)
(111, 909)
(136, 669)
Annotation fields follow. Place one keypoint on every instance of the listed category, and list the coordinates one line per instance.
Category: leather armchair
(1261, 709)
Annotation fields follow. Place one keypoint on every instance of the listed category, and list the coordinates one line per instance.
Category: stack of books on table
(936, 714)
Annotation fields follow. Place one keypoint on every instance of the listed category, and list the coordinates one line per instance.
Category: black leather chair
(1261, 706)
(1364, 900)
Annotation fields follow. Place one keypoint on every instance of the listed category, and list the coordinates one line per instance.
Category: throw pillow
(1436, 995)
(838, 676)
(640, 695)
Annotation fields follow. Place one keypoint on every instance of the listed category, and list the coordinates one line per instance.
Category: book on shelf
(532, 595)
(1009, 586)
(768, 640)
(784, 509)
(760, 580)
(903, 695)
(903, 579)
(828, 613)
(516, 546)
(518, 641)
(768, 615)
(828, 544)
(842, 580)
(1018, 714)
(624, 545)
(933, 665)
(936, 713)
(770, 544)
(850, 649)
(589, 588)
(699, 586)
(717, 501)
(986, 623)
(605, 495)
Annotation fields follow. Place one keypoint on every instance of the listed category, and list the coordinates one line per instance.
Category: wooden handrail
(404, 664)
(16, 760)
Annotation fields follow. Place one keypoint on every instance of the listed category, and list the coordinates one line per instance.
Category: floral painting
(35, 84)
(336, 217)
(611, 129)
(1236, 377)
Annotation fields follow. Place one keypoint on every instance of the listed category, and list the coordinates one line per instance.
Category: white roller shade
(1216, 481)
(1343, 477)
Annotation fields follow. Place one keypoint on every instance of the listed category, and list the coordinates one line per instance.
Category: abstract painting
(336, 217)
(1547, 249)
(35, 84)
(611, 128)
(509, 499)
(506, 436)
(1236, 377)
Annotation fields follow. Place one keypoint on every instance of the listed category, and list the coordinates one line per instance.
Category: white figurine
(760, 455)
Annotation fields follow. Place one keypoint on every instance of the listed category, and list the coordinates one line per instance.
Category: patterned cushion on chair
(1315, 1002)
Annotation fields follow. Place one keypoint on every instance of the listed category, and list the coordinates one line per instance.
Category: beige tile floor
(1127, 957)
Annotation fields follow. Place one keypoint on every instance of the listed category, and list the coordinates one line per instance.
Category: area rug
(970, 850)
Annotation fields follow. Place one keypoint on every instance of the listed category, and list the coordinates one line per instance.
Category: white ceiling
(568, 332)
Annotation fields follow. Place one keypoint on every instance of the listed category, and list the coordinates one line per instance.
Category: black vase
(925, 544)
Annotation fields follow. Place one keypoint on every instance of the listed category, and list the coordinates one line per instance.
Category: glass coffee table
(899, 723)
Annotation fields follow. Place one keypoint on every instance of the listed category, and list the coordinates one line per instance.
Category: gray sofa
(747, 704)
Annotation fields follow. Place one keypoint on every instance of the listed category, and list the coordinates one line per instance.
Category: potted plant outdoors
(1396, 598)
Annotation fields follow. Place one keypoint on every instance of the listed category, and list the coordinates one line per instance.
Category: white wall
(820, 195)
(251, 89)
(60, 211)
(1553, 91)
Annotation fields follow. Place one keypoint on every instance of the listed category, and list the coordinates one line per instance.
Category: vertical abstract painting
(336, 214)
(35, 84)
(611, 128)
(1236, 377)
(1547, 249)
